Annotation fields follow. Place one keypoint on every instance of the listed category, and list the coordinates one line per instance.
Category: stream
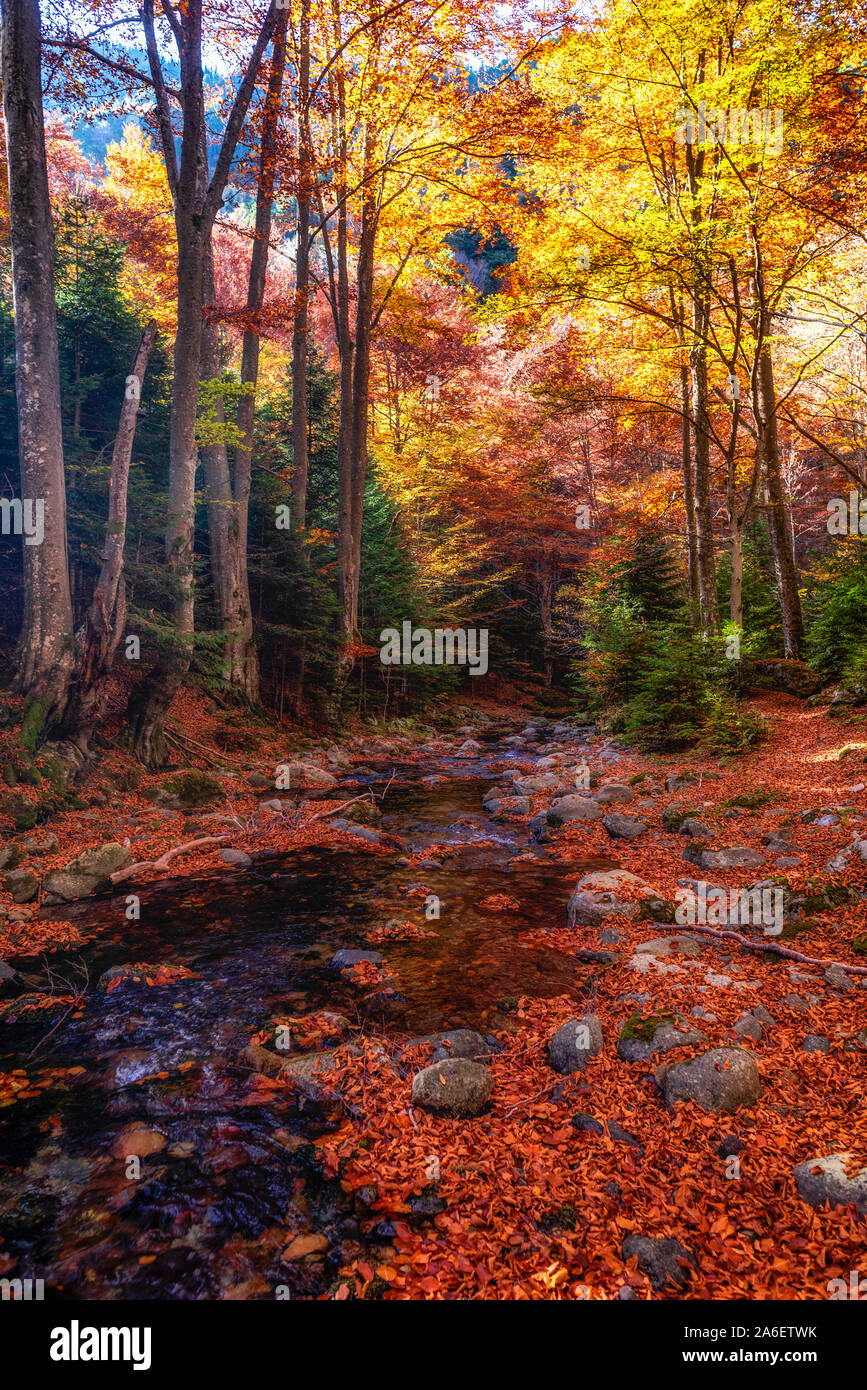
(213, 1209)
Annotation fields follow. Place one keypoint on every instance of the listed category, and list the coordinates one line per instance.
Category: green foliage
(836, 604)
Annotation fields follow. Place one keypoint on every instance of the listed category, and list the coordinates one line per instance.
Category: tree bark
(302, 262)
(196, 203)
(45, 655)
(97, 639)
(778, 523)
(705, 560)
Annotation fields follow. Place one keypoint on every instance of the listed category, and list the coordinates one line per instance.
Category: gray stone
(510, 806)
(664, 945)
(456, 1042)
(735, 857)
(721, 1081)
(837, 977)
(585, 1124)
(659, 1257)
(571, 808)
(602, 894)
(88, 873)
(814, 1042)
(574, 1043)
(343, 960)
(822, 1180)
(623, 827)
(666, 1037)
(545, 782)
(456, 1087)
(696, 829)
(236, 856)
(22, 884)
(614, 791)
(260, 781)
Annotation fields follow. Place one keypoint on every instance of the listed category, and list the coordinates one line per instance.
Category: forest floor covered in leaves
(601, 1168)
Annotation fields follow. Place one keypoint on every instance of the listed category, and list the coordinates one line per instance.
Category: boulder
(90, 872)
(457, 1087)
(571, 808)
(602, 894)
(824, 1180)
(623, 827)
(661, 1258)
(720, 1081)
(344, 960)
(236, 856)
(299, 774)
(779, 673)
(509, 806)
(738, 856)
(22, 884)
(544, 782)
(456, 1042)
(574, 1043)
(639, 1041)
(614, 791)
(469, 748)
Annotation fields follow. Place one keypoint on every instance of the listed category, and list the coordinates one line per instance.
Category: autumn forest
(433, 661)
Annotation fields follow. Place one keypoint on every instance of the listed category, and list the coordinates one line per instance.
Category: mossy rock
(640, 1029)
(655, 910)
(753, 801)
(826, 897)
(191, 790)
(673, 817)
(859, 945)
(20, 809)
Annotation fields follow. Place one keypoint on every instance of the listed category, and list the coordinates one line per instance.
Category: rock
(571, 808)
(623, 827)
(730, 1146)
(457, 1087)
(610, 936)
(510, 806)
(735, 857)
(748, 1027)
(814, 1042)
(275, 804)
(721, 1081)
(259, 781)
(675, 781)
(33, 845)
(782, 673)
(9, 855)
(22, 884)
(236, 856)
(664, 945)
(661, 1258)
(88, 873)
(469, 748)
(574, 1043)
(821, 1180)
(585, 1124)
(528, 786)
(457, 1042)
(623, 1136)
(837, 977)
(602, 894)
(188, 791)
(663, 1036)
(296, 774)
(344, 960)
(696, 829)
(614, 791)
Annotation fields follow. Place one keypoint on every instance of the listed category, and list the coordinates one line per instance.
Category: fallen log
(763, 946)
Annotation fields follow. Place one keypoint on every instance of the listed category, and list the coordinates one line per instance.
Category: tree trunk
(302, 260)
(45, 655)
(778, 523)
(97, 639)
(689, 496)
(245, 664)
(736, 590)
(705, 562)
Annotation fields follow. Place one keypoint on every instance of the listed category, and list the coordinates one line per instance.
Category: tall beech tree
(197, 200)
(45, 655)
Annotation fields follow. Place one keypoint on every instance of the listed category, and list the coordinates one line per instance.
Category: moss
(859, 945)
(643, 1029)
(753, 801)
(376, 1288)
(560, 1218)
(655, 910)
(10, 776)
(22, 812)
(826, 897)
(33, 725)
(637, 779)
(194, 788)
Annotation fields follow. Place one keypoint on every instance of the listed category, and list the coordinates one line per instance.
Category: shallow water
(209, 1214)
